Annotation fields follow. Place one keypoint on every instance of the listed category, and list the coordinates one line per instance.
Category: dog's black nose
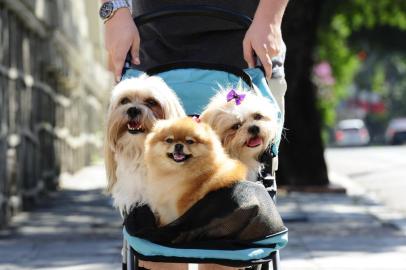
(254, 130)
(178, 147)
(133, 112)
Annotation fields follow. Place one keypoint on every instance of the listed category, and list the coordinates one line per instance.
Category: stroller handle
(194, 10)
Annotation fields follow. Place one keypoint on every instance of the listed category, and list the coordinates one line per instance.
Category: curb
(373, 205)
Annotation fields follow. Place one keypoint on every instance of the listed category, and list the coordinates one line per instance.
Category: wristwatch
(108, 8)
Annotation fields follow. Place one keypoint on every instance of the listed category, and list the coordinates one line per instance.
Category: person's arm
(264, 36)
(121, 36)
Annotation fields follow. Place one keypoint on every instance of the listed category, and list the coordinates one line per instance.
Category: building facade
(53, 89)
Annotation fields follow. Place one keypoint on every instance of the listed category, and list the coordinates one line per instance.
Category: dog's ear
(170, 103)
(110, 164)
(207, 117)
(210, 112)
(174, 109)
(210, 132)
(109, 160)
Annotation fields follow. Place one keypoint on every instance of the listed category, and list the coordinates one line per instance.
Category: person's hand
(264, 39)
(121, 36)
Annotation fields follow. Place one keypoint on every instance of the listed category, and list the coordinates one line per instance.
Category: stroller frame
(130, 259)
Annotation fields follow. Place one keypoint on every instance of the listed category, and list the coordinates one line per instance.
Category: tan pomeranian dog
(136, 104)
(246, 123)
(185, 161)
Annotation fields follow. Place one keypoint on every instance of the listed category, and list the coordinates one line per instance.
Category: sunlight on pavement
(92, 177)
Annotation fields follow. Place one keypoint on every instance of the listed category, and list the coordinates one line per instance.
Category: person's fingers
(248, 53)
(118, 62)
(266, 60)
(274, 41)
(135, 51)
(267, 64)
(274, 49)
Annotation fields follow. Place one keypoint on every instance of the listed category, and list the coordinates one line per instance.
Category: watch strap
(117, 4)
(120, 4)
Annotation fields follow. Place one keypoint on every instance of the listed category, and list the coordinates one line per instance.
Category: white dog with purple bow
(246, 123)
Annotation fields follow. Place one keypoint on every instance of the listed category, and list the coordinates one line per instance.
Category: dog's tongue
(134, 124)
(253, 142)
(178, 156)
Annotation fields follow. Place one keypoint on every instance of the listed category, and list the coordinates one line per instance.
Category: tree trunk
(302, 152)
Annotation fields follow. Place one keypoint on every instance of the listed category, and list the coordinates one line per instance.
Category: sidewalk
(77, 229)
(338, 232)
(73, 229)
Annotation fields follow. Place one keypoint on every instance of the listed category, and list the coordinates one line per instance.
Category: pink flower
(323, 73)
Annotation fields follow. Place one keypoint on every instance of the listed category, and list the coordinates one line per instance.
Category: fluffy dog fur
(245, 130)
(136, 104)
(185, 161)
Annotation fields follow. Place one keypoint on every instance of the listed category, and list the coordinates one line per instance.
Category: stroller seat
(247, 254)
(197, 238)
(247, 230)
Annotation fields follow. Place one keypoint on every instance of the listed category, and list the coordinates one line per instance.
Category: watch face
(106, 10)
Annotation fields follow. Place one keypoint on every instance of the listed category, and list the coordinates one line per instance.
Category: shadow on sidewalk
(335, 231)
(69, 228)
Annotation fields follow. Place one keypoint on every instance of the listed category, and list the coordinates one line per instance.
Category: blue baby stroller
(184, 241)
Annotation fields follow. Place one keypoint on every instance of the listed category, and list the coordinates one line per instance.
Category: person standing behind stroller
(262, 39)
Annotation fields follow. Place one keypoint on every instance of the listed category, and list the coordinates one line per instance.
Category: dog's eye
(151, 102)
(169, 140)
(190, 141)
(236, 126)
(257, 116)
(125, 101)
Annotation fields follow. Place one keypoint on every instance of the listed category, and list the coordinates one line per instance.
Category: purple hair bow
(234, 95)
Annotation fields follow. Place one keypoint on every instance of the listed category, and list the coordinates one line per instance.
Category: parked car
(396, 132)
(351, 132)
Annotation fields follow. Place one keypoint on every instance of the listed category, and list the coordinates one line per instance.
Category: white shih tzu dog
(135, 105)
(246, 123)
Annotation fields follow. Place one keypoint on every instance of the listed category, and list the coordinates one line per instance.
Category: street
(380, 170)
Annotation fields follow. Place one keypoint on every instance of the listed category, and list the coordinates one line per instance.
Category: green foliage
(394, 85)
(340, 20)
(378, 80)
